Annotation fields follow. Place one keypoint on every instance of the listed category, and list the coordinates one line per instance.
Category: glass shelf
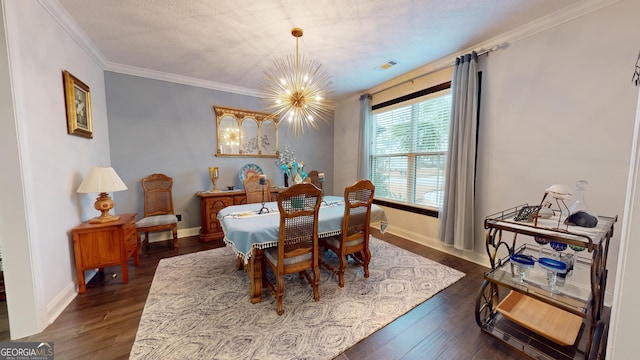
(571, 297)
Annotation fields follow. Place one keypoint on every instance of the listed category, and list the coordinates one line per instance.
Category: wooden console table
(212, 202)
(100, 245)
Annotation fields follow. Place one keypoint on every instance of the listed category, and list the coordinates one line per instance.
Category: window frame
(414, 208)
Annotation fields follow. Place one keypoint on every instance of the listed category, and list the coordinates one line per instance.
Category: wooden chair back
(354, 238)
(158, 209)
(254, 192)
(158, 199)
(298, 206)
(358, 199)
(314, 179)
(297, 248)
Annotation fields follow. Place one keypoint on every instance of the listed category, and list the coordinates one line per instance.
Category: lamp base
(103, 204)
(104, 219)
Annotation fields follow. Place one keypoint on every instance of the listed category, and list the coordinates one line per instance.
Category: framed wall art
(78, 104)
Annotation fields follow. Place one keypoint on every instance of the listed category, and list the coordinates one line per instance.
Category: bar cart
(529, 313)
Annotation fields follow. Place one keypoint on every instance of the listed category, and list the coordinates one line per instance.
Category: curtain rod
(482, 52)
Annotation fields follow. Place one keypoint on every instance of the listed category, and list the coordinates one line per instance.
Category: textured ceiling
(231, 42)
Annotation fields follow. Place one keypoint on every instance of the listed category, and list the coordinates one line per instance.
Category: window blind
(408, 152)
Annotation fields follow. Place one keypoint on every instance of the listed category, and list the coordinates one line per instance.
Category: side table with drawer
(107, 244)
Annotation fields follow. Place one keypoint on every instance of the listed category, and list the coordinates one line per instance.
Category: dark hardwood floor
(102, 323)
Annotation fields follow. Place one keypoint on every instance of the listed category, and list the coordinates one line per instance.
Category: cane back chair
(354, 238)
(297, 249)
(158, 209)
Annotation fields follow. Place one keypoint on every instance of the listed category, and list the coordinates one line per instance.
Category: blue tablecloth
(245, 229)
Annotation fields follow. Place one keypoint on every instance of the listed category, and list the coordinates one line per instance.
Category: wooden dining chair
(297, 249)
(314, 179)
(354, 238)
(254, 192)
(158, 209)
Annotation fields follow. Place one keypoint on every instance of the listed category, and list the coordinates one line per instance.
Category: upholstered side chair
(254, 192)
(297, 249)
(158, 209)
(354, 238)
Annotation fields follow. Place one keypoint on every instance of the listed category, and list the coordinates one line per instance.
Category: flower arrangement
(293, 170)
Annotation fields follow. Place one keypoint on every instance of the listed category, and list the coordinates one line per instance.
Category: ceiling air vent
(386, 65)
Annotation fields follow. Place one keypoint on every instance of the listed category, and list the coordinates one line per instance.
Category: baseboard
(472, 256)
(60, 302)
(166, 235)
(438, 245)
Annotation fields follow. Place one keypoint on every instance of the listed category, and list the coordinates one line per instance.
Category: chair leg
(265, 281)
(139, 234)
(174, 230)
(316, 283)
(279, 293)
(366, 257)
(343, 267)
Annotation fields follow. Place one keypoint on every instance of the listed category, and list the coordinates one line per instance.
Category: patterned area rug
(198, 307)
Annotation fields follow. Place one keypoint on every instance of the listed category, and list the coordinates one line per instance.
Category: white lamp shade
(101, 179)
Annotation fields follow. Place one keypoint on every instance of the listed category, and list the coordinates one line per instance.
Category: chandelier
(297, 90)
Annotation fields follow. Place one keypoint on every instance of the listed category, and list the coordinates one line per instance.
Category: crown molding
(72, 28)
(503, 40)
(545, 23)
(537, 26)
(179, 79)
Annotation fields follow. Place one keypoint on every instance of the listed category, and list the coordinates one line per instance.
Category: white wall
(627, 296)
(557, 106)
(51, 164)
(345, 141)
(13, 223)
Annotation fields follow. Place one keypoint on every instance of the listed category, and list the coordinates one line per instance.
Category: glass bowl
(540, 240)
(558, 246)
(553, 268)
(520, 265)
(577, 248)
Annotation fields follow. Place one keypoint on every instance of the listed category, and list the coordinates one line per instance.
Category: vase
(286, 180)
(214, 175)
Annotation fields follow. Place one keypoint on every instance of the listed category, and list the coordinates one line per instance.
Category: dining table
(251, 228)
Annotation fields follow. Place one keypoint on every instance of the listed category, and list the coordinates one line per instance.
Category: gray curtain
(456, 216)
(364, 140)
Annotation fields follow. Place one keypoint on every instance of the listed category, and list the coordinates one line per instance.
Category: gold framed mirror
(246, 133)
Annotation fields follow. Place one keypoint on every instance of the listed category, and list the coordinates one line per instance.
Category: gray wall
(161, 127)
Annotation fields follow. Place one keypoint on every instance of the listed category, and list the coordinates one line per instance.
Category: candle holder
(321, 179)
(263, 183)
(214, 176)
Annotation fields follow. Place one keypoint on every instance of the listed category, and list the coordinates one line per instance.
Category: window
(409, 146)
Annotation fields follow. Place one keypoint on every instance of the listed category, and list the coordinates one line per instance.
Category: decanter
(579, 212)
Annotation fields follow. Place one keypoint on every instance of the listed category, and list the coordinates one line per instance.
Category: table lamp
(102, 180)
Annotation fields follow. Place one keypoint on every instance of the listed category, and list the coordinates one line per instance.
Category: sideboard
(212, 202)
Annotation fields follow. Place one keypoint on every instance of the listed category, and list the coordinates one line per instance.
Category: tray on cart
(552, 228)
(549, 321)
